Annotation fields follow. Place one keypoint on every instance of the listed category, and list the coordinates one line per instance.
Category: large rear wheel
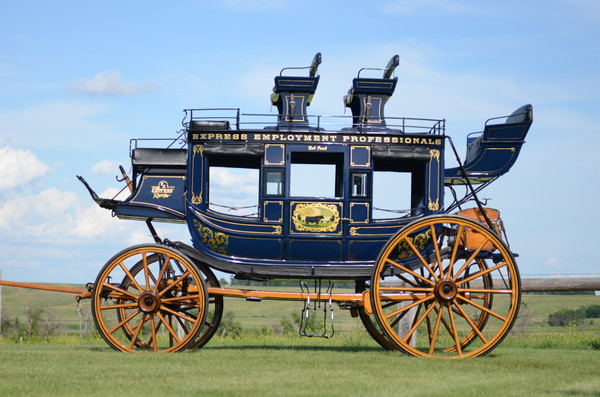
(462, 280)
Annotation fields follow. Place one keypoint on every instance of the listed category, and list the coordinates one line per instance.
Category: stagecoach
(431, 278)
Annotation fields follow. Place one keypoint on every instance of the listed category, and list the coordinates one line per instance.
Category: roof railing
(319, 123)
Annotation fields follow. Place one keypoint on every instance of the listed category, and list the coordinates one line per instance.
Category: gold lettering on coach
(162, 190)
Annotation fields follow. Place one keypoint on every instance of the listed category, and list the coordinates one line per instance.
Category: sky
(78, 80)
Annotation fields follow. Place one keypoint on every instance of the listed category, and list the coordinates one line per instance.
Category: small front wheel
(149, 298)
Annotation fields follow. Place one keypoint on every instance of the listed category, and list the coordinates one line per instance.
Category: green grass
(292, 366)
(535, 359)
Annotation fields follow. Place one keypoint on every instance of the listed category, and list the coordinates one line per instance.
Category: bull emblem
(316, 217)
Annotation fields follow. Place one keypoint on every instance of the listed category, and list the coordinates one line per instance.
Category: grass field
(535, 359)
(292, 366)
(254, 316)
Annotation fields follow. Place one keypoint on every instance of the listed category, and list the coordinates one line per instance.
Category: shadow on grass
(348, 349)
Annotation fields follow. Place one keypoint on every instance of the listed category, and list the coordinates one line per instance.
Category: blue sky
(79, 79)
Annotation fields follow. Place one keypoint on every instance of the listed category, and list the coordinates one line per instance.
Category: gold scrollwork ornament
(419, 242)
(434, 206)
(217, 242)
(196, 199)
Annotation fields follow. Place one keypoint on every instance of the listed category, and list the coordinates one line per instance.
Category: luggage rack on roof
(234, 119)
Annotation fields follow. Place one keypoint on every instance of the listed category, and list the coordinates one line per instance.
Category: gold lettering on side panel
(162, 190)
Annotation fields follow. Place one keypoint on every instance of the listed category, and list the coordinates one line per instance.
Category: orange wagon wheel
(215, 303)
(461, 279)
(159, 307)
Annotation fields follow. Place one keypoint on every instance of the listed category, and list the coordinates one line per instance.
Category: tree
(33, 323)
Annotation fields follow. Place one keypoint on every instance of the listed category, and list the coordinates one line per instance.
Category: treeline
(37, 323)
(568, 316)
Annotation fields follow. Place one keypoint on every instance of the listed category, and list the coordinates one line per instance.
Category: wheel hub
(445, 290)
(149, 302)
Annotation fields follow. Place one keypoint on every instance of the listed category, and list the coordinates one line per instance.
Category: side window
(312, 180)
(391, 194)
(233, 191)
(359, 184)
(274, 180)
(316, 174)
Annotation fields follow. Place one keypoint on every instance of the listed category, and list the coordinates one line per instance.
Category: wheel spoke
(399, 317)
(119, 290)
(407, 281)
(182, 324)
(407, 270)
(124, 321)
(175, 283)
(172, 333)
(454, 252)
(416, 324)
(389, 304)
(146, 270)
(469, 261)
(154, 340)
(183, 298)
(163, 270)
(138, 328)
(485, 309)
(423, 261)
(120, 306)
(434, 333)
(156, 328)
(133, 280)
(444, 321)
(428, 324)
(187, 318)
(436, 246)
(481, 273)
(454, 330)
(408, 307)
(471, 323)
(485, 291)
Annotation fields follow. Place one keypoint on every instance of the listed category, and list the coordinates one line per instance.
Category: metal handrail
(407, 125)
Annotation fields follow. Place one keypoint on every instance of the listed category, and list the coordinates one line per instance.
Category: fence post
(407, 322)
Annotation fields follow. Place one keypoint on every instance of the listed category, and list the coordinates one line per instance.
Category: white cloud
(234, 181)
(108, 83)
(18, 168)
(68, 125)
(58, 216)
(106, 167)
(46, 215)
